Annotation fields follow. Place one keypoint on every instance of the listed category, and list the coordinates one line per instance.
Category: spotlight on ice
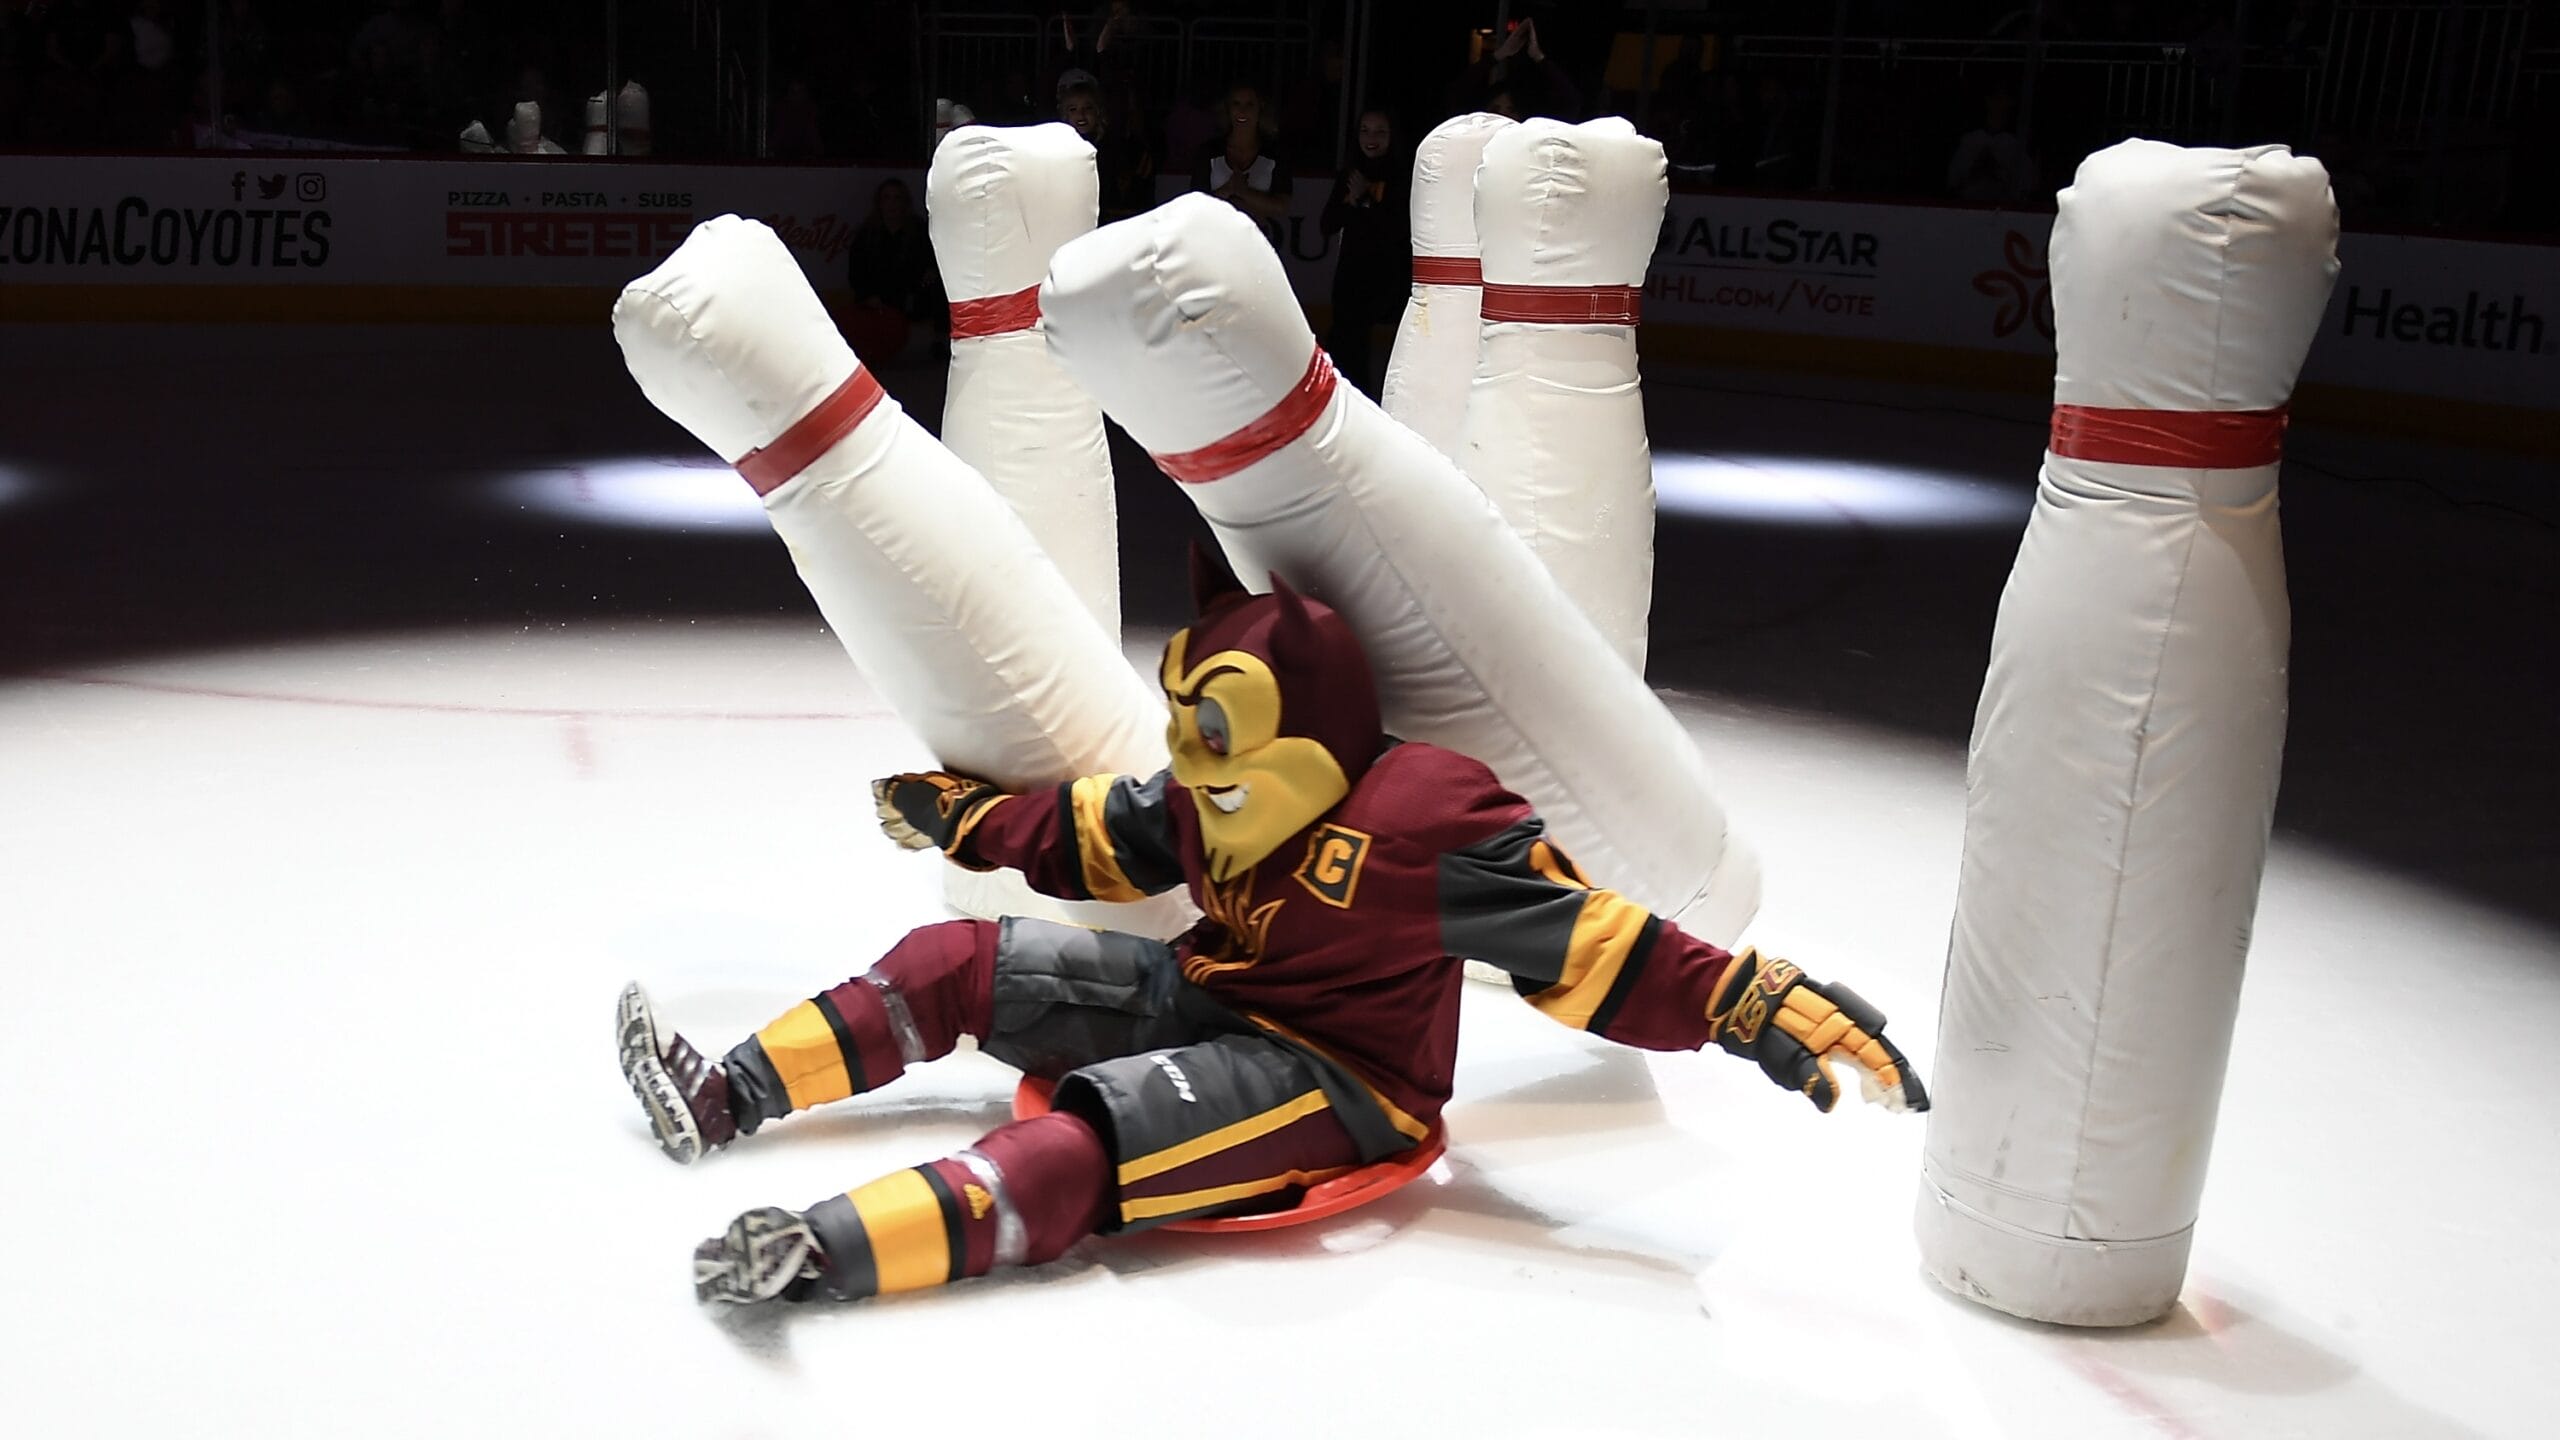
(639, 493)
(16, 486)
(1817, 491)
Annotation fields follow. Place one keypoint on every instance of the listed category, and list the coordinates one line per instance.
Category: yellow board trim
(1155, 1205)
(1405, 1125)
(1604, 935)
(1225, 1137)
(910, 1250)
(806, 1057)
(1089, 798)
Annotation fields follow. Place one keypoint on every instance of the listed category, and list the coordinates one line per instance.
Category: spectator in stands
(396, 29)
(1518, 81)
(1239, 167)
(248, 54)
(1126, 169)
(1125, 120)
(13, 72)
(1735, 132)
(149, 92)
(1190, 126)
(83, 49)
(462, 38)
(1992, 165)
(858, 117)
(796, 133)
(891, 261)
(279, 111)
(1786, 144)
(1370, 207)
(1101, 45)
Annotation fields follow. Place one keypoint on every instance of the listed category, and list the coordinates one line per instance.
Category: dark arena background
(383, 682)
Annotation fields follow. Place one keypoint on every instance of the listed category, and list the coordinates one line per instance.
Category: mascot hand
(932, 810)
(1766, 1010)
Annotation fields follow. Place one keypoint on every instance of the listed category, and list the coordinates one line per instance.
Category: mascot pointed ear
(1295, 640)
(1212, 579)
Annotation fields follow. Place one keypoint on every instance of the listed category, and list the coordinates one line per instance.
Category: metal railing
(1270, 53)
(2395, 75)
(969, 54)
(734, 40)
(2393, 68)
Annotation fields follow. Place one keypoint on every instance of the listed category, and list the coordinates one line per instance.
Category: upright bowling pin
(1567, 216)
(2124, 761)
(936, 589)
(999, 202)
(1434, 362)
(1181, 323)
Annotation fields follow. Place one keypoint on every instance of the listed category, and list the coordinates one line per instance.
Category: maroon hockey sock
(1020, 1196)
(932, 987)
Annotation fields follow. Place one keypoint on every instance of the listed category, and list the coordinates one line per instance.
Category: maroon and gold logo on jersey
(1239, 932)
(1332, 869)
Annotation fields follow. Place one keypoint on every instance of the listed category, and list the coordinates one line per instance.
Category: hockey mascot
(1307, 1026)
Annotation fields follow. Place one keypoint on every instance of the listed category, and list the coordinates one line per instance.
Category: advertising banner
(2469, 320)
(303, 219)
(2422, 315)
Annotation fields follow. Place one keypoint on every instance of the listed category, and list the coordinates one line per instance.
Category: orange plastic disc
(1334, 1196)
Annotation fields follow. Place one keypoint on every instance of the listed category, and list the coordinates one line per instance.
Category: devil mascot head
(1275, 717)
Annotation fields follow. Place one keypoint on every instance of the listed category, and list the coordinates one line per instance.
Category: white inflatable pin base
(935, 588)
(1180, 321)
(1434, 361)
(2125, 755)
(1567, 216)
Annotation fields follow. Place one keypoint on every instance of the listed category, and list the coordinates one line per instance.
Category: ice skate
(765, 1254)
(685, 1095)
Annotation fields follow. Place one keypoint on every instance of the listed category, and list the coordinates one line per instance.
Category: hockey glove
(933, 810)
(1766, 1010)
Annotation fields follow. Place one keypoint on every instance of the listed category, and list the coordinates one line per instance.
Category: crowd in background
(378, 74)
(846, 83)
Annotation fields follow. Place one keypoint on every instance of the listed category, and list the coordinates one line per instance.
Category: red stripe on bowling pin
(1296, 414)
(995, 315)
(1562, 304)
(1447, 270)
(2182, 439)
(768, 468)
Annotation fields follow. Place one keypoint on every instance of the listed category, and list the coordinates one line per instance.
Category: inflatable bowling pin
(1567, 216)
(999, 202)
(1434, 361)
(1180, 321)
(936, 589)
(2123, 770)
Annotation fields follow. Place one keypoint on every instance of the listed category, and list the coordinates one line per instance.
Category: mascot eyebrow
(1190, 695)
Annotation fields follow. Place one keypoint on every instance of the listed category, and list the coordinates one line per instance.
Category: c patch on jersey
(1332, 869)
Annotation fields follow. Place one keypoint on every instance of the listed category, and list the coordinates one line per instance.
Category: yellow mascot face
(1254, 786)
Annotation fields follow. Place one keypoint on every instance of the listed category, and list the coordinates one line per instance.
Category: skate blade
(670, 1118)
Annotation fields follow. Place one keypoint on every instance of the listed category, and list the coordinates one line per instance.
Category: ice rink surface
(374, 703)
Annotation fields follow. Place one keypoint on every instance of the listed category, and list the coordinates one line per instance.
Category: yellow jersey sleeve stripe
(1089, 797)
(806, 1057)
(1405, 1125)
(1604, 935)
(1225, 1137)
(903, 1219)
(1152, 1206)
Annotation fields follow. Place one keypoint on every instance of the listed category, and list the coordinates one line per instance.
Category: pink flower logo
(2022, 290)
